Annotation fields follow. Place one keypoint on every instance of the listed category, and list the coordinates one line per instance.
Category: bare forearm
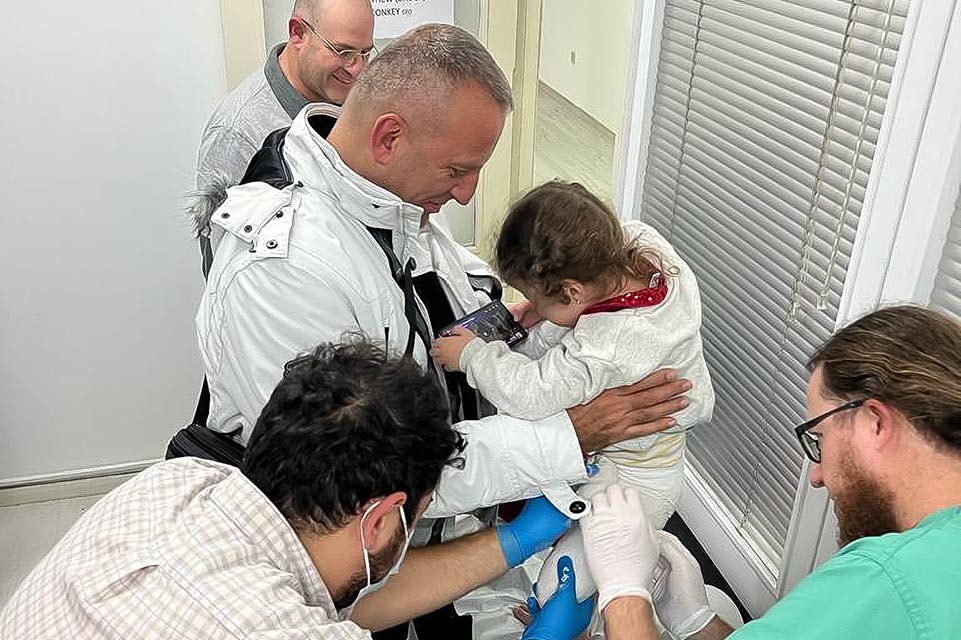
(431, 577)
(629, 618)
(640, 409)
(716, 629)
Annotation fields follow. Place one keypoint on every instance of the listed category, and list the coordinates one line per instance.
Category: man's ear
(885, 423)
(387, 133)
(383, 521)
(297, 34)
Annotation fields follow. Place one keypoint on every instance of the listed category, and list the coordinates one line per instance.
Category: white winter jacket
(297, 267)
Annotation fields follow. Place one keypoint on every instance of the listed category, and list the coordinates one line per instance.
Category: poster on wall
(394, 17)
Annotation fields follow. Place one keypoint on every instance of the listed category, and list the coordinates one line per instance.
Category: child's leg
(660, 489)
(571, 543)
(659, 493)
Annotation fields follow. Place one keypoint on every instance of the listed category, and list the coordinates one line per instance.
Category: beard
(380, 565)
(863, 506)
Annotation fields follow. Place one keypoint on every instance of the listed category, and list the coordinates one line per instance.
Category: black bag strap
(206, 255)
(267, 165)
(202, 412)
(410, 307)
(404, 277)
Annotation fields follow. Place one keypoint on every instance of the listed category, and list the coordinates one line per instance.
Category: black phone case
(491, 322)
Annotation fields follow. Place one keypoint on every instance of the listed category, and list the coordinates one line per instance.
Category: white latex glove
(619, 545)
(682, 605)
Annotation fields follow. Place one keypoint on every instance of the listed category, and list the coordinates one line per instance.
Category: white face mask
(394, 570)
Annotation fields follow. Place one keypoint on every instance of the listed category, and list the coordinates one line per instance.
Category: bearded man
(884, 437)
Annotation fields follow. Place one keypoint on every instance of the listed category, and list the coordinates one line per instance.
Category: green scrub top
(899, 586)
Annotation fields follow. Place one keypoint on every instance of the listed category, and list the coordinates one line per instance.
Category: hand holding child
(447, 349)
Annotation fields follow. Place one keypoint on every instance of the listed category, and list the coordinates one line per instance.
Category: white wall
(243, 32)
(276, 15)
(103, 106)
(598, 34)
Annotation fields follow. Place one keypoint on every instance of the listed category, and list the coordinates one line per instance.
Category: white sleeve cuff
(508, 459)
(469, 353)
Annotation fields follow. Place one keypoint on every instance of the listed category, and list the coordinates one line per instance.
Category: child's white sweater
(557, 368)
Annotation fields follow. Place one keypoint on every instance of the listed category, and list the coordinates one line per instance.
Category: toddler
(617, 303)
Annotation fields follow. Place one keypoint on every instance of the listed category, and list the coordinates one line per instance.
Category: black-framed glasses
(347, 56)
(811, 442)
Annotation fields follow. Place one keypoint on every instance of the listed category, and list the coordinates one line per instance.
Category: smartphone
(491, 322)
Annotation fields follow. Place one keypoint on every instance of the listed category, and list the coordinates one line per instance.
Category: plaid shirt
(187, 549)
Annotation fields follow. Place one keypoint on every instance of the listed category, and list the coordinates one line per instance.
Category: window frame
(917, 169)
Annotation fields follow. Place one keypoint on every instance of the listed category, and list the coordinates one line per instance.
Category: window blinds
(946, 295)
(766, 116)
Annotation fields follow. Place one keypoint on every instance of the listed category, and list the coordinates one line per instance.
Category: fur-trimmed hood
(201, 204)
(267, 165)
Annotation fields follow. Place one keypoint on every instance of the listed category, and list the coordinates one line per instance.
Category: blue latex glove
(563, 617)
(536, 527)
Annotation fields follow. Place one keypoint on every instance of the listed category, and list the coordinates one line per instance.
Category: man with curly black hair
(339, 468)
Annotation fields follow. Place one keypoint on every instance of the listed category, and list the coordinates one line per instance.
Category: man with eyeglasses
(885, 441)
(329, 43)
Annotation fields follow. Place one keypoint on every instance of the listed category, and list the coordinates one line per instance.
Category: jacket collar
(288, 97)
(315, 163)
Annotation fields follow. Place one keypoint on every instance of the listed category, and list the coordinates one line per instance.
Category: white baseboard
(68, 484)
(754, 582)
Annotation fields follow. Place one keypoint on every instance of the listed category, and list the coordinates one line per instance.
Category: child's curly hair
(561, 231)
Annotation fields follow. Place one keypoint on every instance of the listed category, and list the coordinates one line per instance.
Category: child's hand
(524, 313)
(446, 350)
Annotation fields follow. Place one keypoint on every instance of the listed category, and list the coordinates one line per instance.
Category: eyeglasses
(347, 56)
(811, 442)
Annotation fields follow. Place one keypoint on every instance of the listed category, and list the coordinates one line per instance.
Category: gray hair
(428, 62)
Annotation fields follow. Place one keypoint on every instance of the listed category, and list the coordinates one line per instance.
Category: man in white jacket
(306, 263)
(347, 244)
